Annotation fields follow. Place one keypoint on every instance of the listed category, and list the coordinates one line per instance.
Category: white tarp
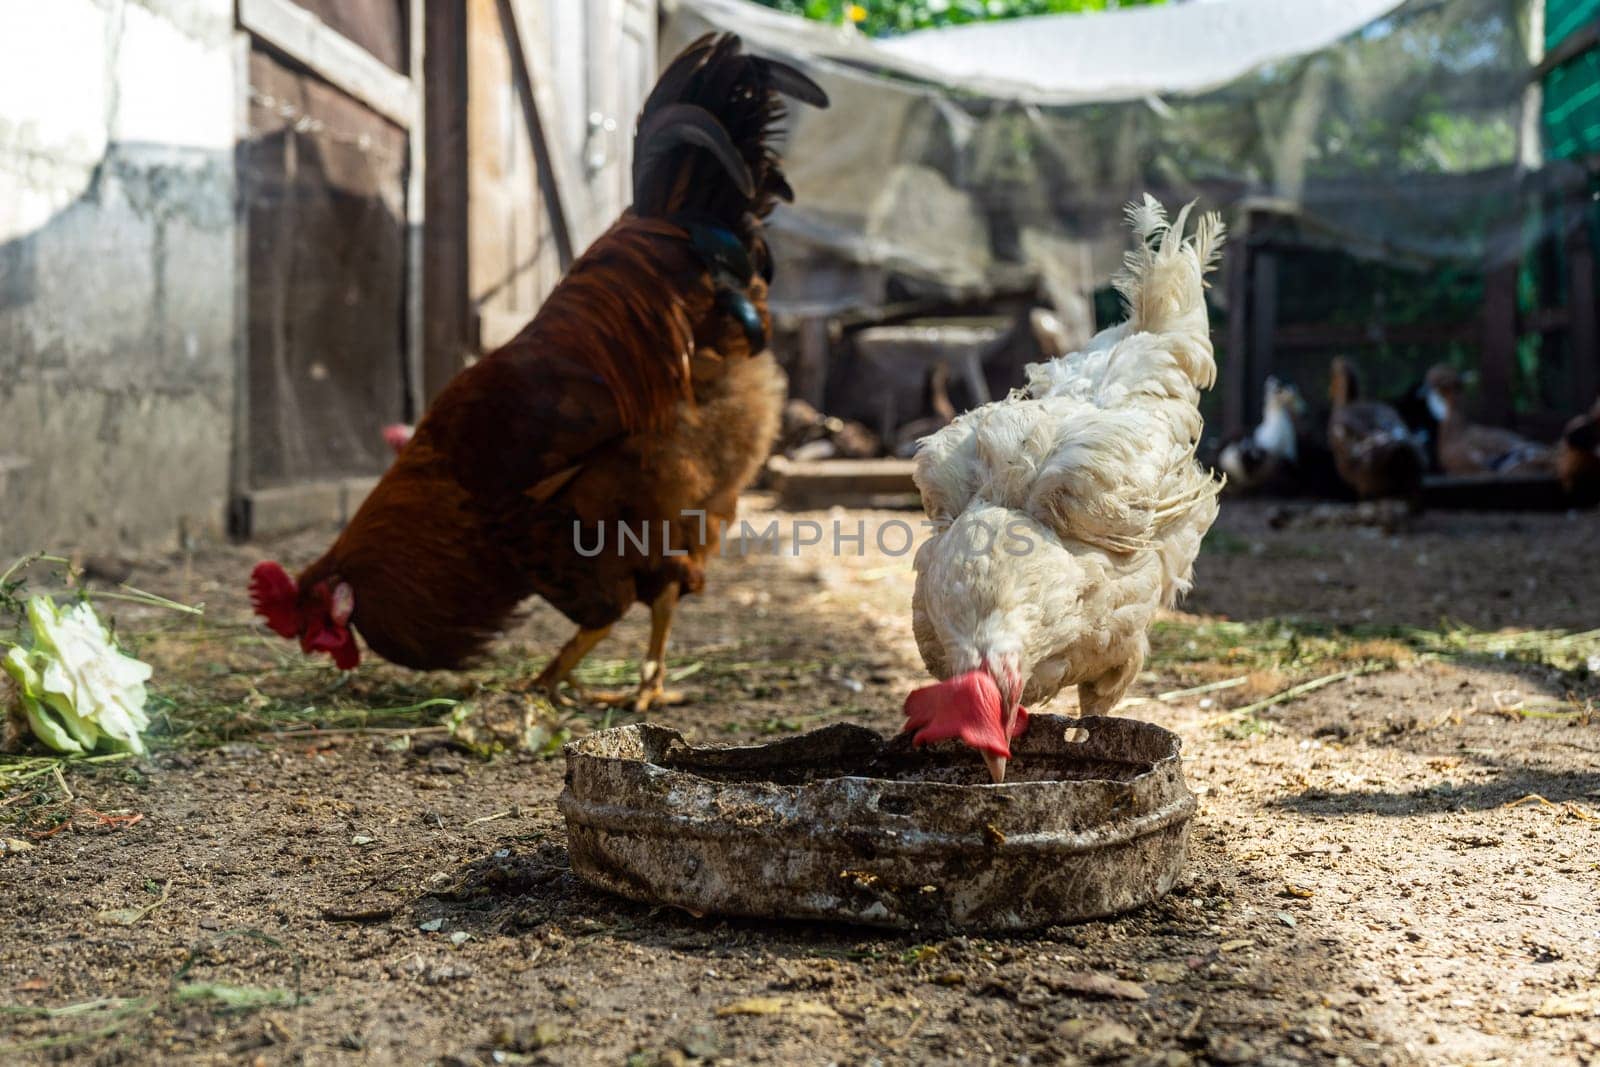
(1059, 59)
(1374, 145)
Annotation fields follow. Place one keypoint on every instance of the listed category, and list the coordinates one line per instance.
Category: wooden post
(1584, 338)
(811, 368)
(446, 326)
(525, 28)
(416, 396)
(1499, 342)
(239, 473)
(1235, 372)
(1263, 329)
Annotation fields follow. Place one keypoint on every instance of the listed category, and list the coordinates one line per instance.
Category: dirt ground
(304, 871)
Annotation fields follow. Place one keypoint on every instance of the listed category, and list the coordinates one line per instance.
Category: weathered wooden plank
(416, 218)
(811, 367)
(323, 177)
(447, 324)
(1235, 368)
(492, 143)
(334, 57)
(239, 459)
(1490, 492)
(525, 28)
(1263, 330)
(827, 482)
(1499, 342)
(1584, 336)
(379, 26)
(515, 251)
(1357, 335)
(297, 507)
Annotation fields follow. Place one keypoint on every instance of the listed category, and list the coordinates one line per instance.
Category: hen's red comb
(966, 707)
(275, 598)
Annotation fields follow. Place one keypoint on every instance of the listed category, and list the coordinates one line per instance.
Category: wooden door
(619, 56)
(327, 159)
(552, 88)
(412, 188)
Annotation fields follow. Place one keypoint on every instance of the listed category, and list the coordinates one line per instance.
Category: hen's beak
(996, 765)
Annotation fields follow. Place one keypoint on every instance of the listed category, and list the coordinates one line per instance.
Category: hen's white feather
(1092, 467)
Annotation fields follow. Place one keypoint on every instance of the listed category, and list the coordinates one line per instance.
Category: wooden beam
(265, 512)
(1263, 329)
(240, 456)
(1499, 342)
(1492, 492)
(1583, 338)
(811, 367)
(332, 56)
(806, 485)
(447, 319)
(1360, 335)
(525, 27)
(416, 400)
(1235, 371)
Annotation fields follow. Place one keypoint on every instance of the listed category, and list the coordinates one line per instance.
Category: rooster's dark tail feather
(702, 146)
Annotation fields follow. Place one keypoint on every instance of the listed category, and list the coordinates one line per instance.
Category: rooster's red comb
(275, 598)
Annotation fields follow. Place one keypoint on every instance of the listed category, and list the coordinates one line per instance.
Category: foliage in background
(881, 17)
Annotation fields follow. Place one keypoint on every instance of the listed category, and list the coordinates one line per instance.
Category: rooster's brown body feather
(633, 398)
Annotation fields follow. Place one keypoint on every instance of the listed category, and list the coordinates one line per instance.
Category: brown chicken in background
(641, 397)
(1466, 447)
(1374, 451)
(1578, 459)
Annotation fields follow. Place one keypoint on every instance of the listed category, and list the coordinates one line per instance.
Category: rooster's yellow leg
(653, 671)
(560, 668)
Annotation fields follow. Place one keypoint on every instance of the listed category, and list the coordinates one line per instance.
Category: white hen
(1070, 512)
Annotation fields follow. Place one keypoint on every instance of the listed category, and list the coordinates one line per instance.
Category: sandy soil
(1367, 883)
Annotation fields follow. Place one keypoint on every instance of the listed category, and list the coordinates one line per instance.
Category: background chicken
(641, 394)
(1578, 459)
(1071, 511)
(1376, 453)
(1266, 457)
(1467, 448)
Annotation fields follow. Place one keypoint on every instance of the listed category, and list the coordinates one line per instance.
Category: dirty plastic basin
(840, 824)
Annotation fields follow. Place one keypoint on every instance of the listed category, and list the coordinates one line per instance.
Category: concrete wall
(117, 267)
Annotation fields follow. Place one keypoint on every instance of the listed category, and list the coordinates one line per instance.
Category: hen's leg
(559, 669)
(1100, 696)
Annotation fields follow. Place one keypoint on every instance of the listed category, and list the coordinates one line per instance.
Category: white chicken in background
(1273, 448)
(1070, 512)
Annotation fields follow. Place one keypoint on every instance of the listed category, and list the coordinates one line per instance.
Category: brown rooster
(641, 396)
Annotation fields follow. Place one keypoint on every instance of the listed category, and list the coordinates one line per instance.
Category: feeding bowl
(840, 824)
